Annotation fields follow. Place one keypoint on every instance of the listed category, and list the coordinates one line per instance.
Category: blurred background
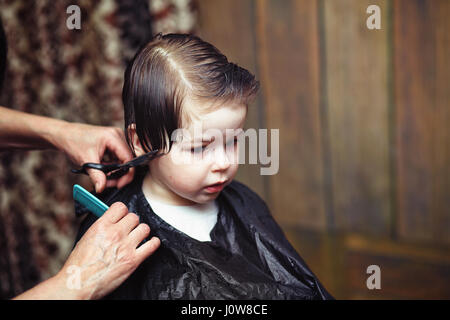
(363, 116)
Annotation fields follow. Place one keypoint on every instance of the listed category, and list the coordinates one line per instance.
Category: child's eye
(198, 149)
(233, 142)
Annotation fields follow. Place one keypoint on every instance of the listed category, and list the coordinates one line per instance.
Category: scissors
(116, 170)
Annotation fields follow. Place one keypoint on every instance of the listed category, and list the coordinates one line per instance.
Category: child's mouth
(215, 187)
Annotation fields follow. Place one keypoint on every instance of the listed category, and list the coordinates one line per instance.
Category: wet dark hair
(165, 71)
(3, 54)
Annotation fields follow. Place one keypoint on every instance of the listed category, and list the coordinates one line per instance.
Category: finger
(138, 234)
(98, 178)
(128, 222)
(116, 212)
(121, 182)
(125, 179)
(117, 144)
(111, 183)
(147, 249)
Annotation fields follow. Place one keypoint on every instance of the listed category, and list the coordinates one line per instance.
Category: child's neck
(155, 190)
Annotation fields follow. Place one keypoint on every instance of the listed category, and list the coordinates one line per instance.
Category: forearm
(54, 288)
(19, 130)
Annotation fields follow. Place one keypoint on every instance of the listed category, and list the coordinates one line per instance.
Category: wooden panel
(406, 271)
(340, 261)
(229, 25)
(288, 60)
(356, 60)
(422, 77)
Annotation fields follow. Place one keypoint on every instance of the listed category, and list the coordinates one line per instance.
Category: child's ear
(138, 149)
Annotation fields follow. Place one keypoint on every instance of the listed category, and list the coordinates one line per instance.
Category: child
(218, 238)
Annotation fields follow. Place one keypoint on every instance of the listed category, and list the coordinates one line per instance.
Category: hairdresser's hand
(81, 142)
(86, 143)
(106, 255)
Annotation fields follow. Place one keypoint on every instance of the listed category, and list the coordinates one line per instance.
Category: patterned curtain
(75, 75)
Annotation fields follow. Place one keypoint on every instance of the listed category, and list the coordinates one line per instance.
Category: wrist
(54, 288)
(54, 133)
(65, 289)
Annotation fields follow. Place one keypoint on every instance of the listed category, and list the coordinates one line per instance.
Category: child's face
(183, 176)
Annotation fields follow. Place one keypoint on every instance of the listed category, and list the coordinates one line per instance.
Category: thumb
(98, 179)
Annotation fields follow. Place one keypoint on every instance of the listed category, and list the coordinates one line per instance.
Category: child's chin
(208, 197)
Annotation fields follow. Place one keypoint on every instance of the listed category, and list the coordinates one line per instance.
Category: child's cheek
(189, 180)
(232, 171)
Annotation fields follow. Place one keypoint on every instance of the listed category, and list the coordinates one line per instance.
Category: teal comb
(89, 201)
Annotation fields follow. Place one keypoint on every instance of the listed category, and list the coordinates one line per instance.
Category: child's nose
(221, 160)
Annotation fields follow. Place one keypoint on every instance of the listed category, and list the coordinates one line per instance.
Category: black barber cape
(248, 256)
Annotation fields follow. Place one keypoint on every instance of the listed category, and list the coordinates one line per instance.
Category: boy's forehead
(227, 115)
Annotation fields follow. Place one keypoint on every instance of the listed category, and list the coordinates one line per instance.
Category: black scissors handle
(117, 170)
(98, 166)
